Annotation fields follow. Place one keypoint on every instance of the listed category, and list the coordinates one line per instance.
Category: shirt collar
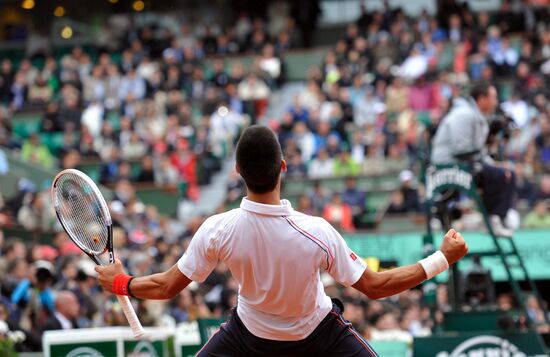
(284, 209)
(65, 323)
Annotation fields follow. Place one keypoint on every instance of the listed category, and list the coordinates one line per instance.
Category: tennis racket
(84, 215)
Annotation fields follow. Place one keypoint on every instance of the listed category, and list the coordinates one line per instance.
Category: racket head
(83, 212)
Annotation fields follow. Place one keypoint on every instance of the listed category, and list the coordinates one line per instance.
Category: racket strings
(81, 213)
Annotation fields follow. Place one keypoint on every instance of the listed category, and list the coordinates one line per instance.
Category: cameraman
(462, 136)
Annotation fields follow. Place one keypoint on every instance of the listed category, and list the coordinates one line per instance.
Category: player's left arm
(379, 285)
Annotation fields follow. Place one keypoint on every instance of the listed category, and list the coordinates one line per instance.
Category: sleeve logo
(353, 256)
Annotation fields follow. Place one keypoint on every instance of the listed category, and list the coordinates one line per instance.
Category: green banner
(406, 248)
(208, 327)
(88, 349)
(189, 350)
(480, 344)
(145, 349)
(390, 348)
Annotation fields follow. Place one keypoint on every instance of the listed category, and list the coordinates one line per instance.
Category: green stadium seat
(26, 124)
(54, 141)
(164, 198)
(113, 117)
(447, 57)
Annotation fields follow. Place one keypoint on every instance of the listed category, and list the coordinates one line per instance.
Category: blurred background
(149, 98)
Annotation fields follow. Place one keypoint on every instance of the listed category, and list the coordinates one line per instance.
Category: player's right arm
(379, 285)
(196, 264)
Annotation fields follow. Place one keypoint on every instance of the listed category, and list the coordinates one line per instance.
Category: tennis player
(275, 254)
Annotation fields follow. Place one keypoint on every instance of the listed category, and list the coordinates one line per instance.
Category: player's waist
(280, 327)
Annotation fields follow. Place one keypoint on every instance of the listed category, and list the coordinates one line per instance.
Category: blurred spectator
(355, 199)
(31, 215)
(66, 312)
(470, 219)
(397, 203)
(345, 165)
(35, 152)
(410, 194)
(40, 93)
(339, 214)
(322, 166)
(539, 217)
(295, 167)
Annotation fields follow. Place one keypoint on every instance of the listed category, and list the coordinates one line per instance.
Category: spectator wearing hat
(410, 194)
(34, 297)
(84, 290)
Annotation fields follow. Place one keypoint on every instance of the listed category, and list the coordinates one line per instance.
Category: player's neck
(268, 198)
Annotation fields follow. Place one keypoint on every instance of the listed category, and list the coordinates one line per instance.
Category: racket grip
(131, 316)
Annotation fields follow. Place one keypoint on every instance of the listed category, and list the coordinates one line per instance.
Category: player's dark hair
(259, 158)
(480, 89)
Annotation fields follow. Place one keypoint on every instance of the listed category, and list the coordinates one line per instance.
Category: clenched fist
(106, 274)
(453, 246)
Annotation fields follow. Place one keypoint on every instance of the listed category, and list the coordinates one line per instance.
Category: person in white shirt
(275, 254)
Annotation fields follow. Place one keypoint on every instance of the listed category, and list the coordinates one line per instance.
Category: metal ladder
(455, 176)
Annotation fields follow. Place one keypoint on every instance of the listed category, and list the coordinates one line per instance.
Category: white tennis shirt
(275, 254)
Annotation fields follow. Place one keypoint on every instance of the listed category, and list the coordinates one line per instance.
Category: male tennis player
(275, 254)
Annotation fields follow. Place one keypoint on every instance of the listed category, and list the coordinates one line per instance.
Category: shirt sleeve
(345, 266)
(200, 258)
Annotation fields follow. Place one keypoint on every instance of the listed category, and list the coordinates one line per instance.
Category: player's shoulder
(312, 223)
(221, 218)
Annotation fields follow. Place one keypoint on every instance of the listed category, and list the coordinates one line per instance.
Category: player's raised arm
(379, 285)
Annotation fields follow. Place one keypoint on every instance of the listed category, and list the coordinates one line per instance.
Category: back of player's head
(259, 158)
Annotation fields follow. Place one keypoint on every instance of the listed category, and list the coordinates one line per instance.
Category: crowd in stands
(374, 102)
(367, 108)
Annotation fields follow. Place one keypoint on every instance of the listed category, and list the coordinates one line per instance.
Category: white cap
(88, 267)
(4, 327)
(406, 175)
(117, 207)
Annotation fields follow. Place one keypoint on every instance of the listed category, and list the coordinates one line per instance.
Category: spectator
(295, 167)
(146, 173)
(305, 206)
(37, 153)
(31, 215)
(18, 91)
(355, 199)
(66, 312)
(40, 93)
(109, 169)
(367, 110)
(539, 217)
(397, 203)
(410, 194)
(339, 214)
(254, 92)
(322, 166)
(345, 165)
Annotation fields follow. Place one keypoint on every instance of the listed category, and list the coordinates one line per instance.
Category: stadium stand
(153, 119)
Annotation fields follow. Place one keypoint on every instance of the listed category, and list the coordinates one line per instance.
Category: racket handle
(131, 316)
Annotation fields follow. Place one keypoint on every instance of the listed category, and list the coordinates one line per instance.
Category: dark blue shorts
(333, 337)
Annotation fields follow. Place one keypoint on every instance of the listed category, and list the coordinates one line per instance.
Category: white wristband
(434, 264)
